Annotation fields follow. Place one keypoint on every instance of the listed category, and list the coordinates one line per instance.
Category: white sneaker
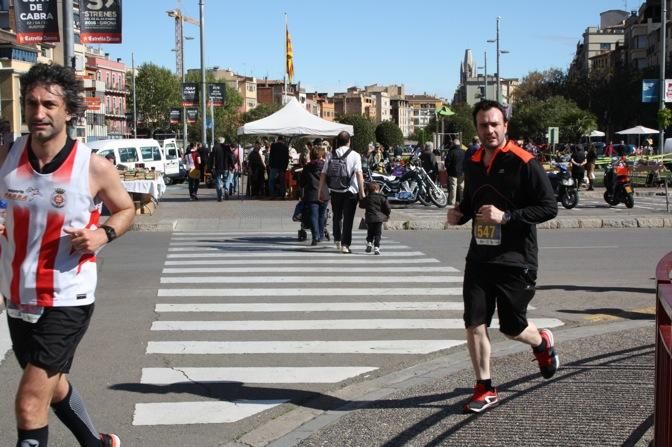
(338, 245)
(345, 250)
(376, 250)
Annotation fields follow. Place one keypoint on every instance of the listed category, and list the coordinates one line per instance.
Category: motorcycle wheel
(609, 199)
(569, 199)
(629, 200)
(438, 197)
(423, 198)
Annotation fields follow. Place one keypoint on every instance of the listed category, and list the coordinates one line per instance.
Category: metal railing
(663, 382)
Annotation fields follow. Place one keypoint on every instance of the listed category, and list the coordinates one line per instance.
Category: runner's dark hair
(488, 104)
(47, 75)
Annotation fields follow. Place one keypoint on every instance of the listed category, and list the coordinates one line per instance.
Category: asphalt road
(146, 373)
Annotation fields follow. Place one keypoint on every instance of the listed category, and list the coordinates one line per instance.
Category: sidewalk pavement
(177, 213)
(602, 395)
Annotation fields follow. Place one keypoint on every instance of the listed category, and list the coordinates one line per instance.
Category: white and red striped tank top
(38, 265)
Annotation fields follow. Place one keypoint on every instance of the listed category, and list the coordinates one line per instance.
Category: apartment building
(271, 91)
(355, 102)
(106, 92)
(599, 40)
(325, 105)
(423, 108)
(245, 85)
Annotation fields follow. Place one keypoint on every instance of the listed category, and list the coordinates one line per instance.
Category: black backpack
(338, 178)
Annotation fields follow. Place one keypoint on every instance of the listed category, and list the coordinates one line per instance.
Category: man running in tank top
(54, 187)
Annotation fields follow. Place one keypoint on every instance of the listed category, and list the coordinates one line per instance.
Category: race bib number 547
(488, 234)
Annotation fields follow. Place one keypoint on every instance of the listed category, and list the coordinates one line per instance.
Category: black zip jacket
(514, 182)
(377, 208)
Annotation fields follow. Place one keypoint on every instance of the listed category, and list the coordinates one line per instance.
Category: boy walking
(377, 211)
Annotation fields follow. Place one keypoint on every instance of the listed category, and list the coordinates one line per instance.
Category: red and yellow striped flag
(290, 55)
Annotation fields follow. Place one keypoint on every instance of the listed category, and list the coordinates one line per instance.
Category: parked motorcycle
(622, 191)
(412, 186)
(565, 188)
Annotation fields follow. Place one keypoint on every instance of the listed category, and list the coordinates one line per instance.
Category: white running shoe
(376, 250)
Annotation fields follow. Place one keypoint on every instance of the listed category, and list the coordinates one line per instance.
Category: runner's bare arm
(104, 183)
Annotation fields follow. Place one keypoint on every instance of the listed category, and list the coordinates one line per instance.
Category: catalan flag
(290, 55)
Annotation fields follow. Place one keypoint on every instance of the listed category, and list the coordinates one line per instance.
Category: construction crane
(179, 37)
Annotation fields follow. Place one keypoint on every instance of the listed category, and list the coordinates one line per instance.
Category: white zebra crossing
(293, 300)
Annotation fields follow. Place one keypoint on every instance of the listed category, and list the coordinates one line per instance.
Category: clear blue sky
(338, 44)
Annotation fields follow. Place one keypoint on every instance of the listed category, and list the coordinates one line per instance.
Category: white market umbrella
(595, 134)
(638, 130)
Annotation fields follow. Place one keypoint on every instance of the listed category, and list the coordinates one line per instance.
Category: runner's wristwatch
(109, 232)
(506, 218)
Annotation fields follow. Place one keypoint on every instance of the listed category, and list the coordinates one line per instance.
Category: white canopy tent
(595, 134)
(294, 120)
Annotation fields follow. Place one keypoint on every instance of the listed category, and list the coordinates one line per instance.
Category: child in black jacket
(377, 211)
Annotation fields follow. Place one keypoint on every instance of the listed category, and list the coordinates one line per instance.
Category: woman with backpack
(342, 173)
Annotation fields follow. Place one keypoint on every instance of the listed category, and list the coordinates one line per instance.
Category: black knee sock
(72, 412)
(541, 347)
(487, 383)
(34, 438)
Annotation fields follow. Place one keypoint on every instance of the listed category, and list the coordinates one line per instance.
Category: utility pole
(68, 35)
(135, 109)
(663, 54)
(485, 75)
(201, 4)
(498, 96)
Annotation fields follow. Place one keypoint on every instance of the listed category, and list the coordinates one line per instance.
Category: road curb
(297, 424)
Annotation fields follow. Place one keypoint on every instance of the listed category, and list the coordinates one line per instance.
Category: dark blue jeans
(318, 219)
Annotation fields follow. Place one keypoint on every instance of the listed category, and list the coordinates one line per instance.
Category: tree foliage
(462, 122)
(157, 90)
(389, 134)
(532, 118)
(364, 131)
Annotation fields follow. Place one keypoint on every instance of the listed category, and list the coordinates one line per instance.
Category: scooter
(565, 188)
(622, 191)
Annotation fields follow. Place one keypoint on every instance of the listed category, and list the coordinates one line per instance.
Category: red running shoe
(481, 400)
(548, 359)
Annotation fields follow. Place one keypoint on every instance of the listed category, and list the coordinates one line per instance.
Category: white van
(137, 152)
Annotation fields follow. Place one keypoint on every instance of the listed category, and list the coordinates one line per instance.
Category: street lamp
(496, 40)
(485, 75)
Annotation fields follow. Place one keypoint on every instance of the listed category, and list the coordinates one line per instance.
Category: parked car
(141, 152)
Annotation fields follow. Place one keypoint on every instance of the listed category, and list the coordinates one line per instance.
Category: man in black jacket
(454, 161)
(221, 166)
(278, 160)
(506, 194)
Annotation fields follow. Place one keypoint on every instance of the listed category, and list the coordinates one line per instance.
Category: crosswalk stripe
(337, 261)
(275, 247)
(301, 347)
(293, 292)
(259, 242)
(271, 245)
(255, 374)
(309, 269)
(313, 307)
(307, 254)
(328, 325)
(303, 279)
(184, 413)
(377, 306)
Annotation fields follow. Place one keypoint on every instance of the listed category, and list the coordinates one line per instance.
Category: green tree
(157, 90)
(462, 122)
(389, 134)
(364, 131)
(421, 136)
(532, 118)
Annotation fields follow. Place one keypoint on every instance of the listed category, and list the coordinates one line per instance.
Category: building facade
(423, 108)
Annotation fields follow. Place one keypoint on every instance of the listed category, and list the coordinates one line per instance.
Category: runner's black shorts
(510, 288)
(51, 342)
